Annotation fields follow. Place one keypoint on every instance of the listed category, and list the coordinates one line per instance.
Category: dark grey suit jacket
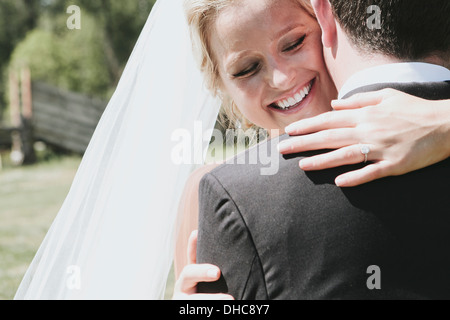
(295, 235)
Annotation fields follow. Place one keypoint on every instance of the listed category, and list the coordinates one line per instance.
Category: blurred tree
(89, 60)
(16, 18)
(70, 59)
(120, 21)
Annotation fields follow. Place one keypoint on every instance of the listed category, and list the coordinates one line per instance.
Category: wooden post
(26, 119)
(17, 156)
(21, 118)
(27, 107)
(14, 99)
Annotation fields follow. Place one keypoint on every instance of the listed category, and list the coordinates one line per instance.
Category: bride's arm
(188, 274)
(188, 215)
(405, 133)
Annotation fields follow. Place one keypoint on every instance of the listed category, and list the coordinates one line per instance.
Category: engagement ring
(365, 150)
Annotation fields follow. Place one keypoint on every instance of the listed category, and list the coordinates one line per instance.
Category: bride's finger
(367, 174)
(324, 121)
(361, 100)
(327, 139)
(195, 273)
(192, 248)
(343, 156)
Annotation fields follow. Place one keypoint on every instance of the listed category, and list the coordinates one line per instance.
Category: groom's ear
(327, 22)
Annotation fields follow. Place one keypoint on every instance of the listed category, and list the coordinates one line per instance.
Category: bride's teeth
(280, 104)
(285, 104)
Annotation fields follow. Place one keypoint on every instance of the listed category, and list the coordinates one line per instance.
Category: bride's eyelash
(252, 69)
(295, 45)
(255, 66)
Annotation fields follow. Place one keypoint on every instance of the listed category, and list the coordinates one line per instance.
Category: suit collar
(405, 72)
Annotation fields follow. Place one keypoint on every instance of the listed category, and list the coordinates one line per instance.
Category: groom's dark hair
(409, 29)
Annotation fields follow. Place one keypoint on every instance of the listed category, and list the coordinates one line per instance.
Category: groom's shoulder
(260, 158)
(425, 90)
(261, 165)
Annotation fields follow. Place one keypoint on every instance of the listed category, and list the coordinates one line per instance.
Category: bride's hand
(404, 133)
(192, 274)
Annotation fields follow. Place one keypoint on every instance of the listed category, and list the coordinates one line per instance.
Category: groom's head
(382, 31)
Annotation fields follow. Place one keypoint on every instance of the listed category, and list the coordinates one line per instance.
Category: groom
(296, 235)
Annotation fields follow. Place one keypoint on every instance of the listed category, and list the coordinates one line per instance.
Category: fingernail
(283, 146)
(290, 128)
(306, 164)
(194, 233)
(337, 103)
(213, 273)
(340, 181)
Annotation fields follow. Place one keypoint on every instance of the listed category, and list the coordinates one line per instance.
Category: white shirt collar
(396, 73)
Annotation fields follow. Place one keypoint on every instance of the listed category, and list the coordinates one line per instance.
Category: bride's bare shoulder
(189, 214)
(197, 175)
(189, 201)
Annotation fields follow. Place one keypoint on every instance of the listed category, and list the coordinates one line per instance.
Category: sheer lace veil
(114, 236)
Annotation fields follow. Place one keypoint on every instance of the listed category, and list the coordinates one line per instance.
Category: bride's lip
(300, 105)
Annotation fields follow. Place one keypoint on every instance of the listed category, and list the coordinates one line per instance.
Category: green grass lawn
(30, 198)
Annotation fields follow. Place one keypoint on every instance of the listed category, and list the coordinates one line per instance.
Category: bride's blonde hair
(201, 15)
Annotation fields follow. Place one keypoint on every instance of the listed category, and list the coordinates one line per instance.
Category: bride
(114, 237)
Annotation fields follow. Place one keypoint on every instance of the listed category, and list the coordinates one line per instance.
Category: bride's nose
(281, 75)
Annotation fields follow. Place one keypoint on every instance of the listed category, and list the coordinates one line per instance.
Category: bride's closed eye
(295, 45)
(251, 69)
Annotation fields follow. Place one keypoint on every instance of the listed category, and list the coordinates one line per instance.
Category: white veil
(114, 235)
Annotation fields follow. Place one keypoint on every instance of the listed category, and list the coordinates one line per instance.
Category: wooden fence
(64, 119)
(41, 112)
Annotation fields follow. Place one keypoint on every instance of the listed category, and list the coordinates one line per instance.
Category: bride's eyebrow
(236, 57)
(287, 30)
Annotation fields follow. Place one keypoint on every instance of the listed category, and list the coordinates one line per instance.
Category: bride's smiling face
(270, 61)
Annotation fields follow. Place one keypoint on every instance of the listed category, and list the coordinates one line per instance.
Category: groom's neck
(345, 59)
(350, 66)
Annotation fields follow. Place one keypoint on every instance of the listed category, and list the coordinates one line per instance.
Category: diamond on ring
(365, 150)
